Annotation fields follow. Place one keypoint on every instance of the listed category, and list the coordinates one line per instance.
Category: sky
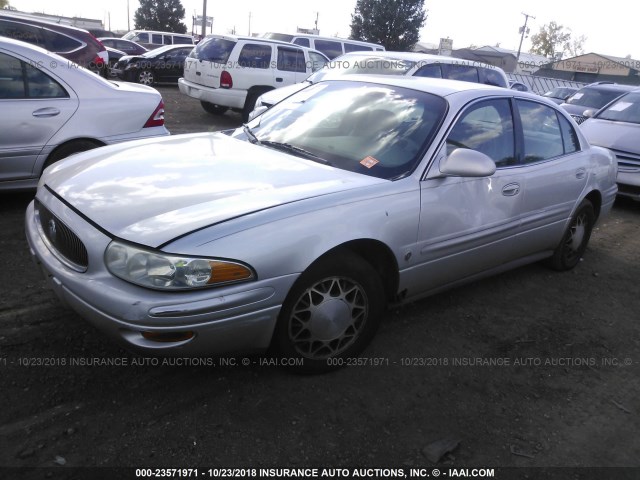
(608, 30)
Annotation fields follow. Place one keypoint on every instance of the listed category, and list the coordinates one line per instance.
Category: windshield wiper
(250, 135)
(301, 152)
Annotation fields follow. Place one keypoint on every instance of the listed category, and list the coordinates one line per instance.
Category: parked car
(593, 97)
(164, 64)
(72, 43)
(153, 39)
(126, 46)
(392, 63)
(114, 58)
(53, 108)
(559, 94)
(617, 127)
(296, 231)
(227, 71)
(332, 47)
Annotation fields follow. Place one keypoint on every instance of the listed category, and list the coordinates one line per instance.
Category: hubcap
(576, 236)
(328, 317)
(146, 78)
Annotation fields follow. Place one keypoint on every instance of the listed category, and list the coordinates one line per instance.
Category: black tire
(69, 149)
(145, 77)
(574, 241)
(213, 109)
(331, 313)
(249, 105)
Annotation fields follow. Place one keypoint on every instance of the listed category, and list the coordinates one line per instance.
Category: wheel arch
(595, 197)
(51, 157)
(375, 253)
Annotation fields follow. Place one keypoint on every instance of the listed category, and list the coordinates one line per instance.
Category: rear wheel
(213, 109)
(331, 313)
(575, 240)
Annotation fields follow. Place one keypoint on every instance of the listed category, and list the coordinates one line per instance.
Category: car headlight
(164, 271)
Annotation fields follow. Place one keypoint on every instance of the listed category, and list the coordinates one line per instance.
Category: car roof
(238, 38)
(437, 86)
(41, 22)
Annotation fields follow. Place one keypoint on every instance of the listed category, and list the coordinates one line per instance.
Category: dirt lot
(531, 368)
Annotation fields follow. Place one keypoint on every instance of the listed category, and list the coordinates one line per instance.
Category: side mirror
(590, 112)
(463, 162)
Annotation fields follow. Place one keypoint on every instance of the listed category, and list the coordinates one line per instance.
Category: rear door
(39, 106)
(291, 66)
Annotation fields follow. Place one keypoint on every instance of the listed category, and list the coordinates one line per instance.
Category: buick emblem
(52, 230)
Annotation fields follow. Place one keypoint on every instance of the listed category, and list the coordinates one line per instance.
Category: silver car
(617, 127)
(52, 108)
(297, 230)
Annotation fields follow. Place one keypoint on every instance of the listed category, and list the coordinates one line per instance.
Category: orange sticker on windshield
(369, 162)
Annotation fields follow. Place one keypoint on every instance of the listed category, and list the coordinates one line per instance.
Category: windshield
(625, 109)
(365, 64)
(157, 51)
(593, 98)
(371, 129)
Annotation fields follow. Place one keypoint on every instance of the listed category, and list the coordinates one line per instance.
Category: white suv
(226, 71)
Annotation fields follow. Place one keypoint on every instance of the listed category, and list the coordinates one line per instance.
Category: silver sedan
(52, 108)
(297, 230)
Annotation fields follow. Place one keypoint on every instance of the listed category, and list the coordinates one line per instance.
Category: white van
(332, 47)
(153, 39)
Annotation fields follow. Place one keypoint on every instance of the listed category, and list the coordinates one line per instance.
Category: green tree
(393, 23)
(4, 3)
(163, 15)
(553, 39)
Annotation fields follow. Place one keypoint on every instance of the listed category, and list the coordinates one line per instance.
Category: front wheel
(575, 240)
(331, 313)
(145, 77)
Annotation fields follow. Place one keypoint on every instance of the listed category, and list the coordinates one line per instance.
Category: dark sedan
(164, 64)
(126, 46)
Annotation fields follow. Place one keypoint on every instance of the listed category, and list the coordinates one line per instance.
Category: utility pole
(317, 31)
(204, 19)
(523, 30)
(128, 18)
(249, 24)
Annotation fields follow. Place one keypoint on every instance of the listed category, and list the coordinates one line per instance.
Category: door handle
(278, 79)
(581, 173)
(46, 112)
(511, 189)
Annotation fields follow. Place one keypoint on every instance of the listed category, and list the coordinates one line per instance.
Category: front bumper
(228, 320)
(629, 182)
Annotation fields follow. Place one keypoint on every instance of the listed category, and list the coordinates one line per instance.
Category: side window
(156, 38)
(182, 41)
(330, 48)
(487, 127)
(353, 47)
(431, 70)
(141, 38)
(492, 77)
(167, 40)
(303, 42)
(541, 130)
(255, 56)
(59, 43)
(20, 80)
(291, 60)
(21, 31)
(569, 136)
(464, 73)
(317, 61)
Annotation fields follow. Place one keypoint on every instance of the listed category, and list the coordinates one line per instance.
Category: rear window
(21, 31)
(213, 49)
(593, 97)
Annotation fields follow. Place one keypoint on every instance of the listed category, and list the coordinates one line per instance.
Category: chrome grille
(60, 237)
(627, 159)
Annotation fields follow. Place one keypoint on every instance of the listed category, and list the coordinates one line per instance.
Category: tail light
(225, 80)
(98, 61)
(157, 117)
